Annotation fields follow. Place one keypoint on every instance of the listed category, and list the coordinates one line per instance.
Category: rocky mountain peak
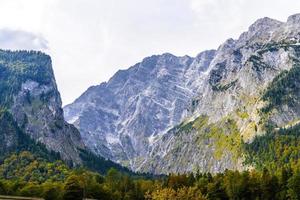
(167, 55)
(261, 30)
(129, 119)
(294, 19)
(264, 24)
(203, 59)
(227, 45)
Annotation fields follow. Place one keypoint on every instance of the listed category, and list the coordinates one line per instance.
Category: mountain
(181, 114)
(119, 119)
(31, 116)
(30, 97)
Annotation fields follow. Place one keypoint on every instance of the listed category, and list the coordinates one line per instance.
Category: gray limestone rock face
(29, 95)
(37, 109)
(128, 119)
(120, 118)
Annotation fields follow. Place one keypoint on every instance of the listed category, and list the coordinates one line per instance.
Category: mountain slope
(118, 119)
(29, 93)
(31, 117)
(240, 74)
(14, 140)
(216, 100)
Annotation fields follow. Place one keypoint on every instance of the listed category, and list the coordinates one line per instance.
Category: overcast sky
(89, 40)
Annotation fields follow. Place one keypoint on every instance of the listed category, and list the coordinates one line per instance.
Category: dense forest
(25, 174)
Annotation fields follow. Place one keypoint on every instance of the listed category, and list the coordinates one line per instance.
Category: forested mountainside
(183, 114)
(31, 117)
(27, 175)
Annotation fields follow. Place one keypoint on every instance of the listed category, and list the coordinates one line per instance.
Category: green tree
(294, 186)
(269, 186)
(2, 188)
(215, 190)
(31, 190)
(163, 194)
(236, 185)
(52, 191)
(189, 193)
(73, 188)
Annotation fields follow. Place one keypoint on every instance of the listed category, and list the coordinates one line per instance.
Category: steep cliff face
(31, 116)
(120, 118)
(31, 104)
(217, 101)
(9, 134)
(234, 99)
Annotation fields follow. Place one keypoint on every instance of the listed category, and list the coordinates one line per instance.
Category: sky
(90, 40)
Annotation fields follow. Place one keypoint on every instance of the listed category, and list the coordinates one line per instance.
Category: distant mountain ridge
(180, 114)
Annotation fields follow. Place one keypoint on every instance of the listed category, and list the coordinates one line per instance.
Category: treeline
(26, 175)
(274, 150)
(231, 185)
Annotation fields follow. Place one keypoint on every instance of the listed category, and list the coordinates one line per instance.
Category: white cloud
(89, 40)
(18, 39)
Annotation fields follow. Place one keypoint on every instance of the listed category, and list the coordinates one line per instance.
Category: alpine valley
(223, 125)
(219, 110)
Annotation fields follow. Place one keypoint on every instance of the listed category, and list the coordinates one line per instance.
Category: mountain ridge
(128, 118)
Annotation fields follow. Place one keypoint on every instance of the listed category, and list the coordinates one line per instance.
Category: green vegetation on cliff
(18, 66)
(284, 90)
(223, 135)
(14, 140)
(275, 149)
